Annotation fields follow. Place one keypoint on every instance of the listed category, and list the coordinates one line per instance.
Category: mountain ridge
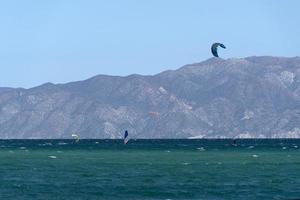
(216, 98)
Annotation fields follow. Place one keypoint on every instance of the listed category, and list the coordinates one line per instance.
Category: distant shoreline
(133, 139)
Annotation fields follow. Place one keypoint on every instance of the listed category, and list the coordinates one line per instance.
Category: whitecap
(53, 157)
(186, 163)
(168, 151)
(283, 147)
(254, 156)
(295, 146)
(250, 147)
(96, 142)
(62, 143)
(201, 148)
(22, 148)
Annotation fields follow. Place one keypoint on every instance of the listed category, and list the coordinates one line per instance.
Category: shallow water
(149, 169)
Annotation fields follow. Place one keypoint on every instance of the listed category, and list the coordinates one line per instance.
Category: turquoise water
(149, 169)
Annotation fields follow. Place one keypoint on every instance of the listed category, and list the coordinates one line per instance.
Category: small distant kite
(76, 137)
(214, 48)
(154, 114)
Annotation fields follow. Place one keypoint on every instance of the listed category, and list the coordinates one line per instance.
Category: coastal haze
(253, 97)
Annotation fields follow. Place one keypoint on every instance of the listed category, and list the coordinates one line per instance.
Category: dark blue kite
(214, 48)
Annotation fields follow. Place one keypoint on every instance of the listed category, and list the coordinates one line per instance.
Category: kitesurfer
(234, 142)
(126, 138)
(76, 137)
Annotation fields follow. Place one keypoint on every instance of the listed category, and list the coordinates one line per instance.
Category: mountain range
(252, 97)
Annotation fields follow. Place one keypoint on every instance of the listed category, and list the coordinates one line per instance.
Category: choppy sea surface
(150, 169)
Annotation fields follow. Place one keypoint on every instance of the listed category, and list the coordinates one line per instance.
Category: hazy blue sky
(60, 41)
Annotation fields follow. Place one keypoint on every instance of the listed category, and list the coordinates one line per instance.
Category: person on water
(234, 142)
(126, 138)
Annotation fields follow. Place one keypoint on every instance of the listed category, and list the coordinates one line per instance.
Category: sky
(60, 41)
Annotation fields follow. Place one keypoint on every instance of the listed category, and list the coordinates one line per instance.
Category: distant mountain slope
(249, 97)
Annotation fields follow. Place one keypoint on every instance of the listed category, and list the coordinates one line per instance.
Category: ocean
(150, 169)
